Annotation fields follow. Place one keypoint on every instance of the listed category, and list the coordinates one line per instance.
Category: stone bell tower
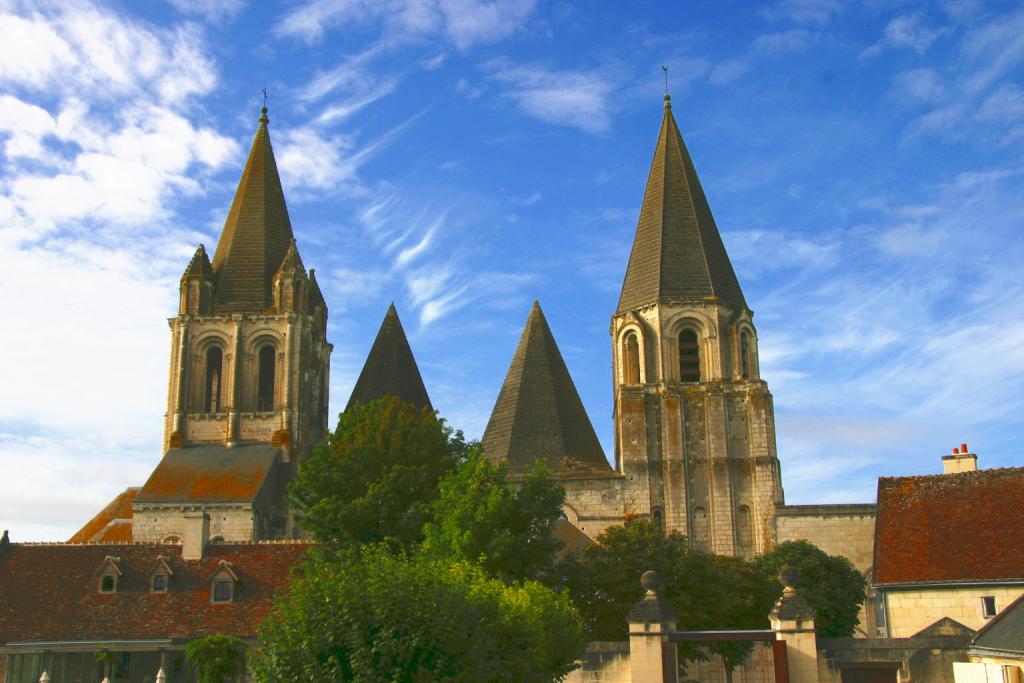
(694, 422)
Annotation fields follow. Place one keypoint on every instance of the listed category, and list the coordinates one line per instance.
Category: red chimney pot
(963, 448)
(956, 451)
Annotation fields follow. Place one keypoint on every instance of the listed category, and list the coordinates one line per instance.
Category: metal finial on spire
(263, 112)
(665, 69)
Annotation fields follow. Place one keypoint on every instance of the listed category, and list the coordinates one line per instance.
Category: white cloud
(805, 11)
(1004, 105)
(463, 22)
(784, 42)
(918, 86)
(215, 11)
(907, 31)
(728, 71)
(568, 98)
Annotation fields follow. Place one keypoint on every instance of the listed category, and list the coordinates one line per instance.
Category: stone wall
(909, 611)
(847, 530)
(603, 662)
(154, 524)
(594, 504)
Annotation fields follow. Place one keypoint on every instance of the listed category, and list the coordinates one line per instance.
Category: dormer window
(160, 576)
(109, 571)
(223, 590)
(222, 584)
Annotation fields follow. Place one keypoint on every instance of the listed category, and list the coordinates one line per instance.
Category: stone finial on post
(45, 678)
(792, 620)
(161, 677)
(652, 656)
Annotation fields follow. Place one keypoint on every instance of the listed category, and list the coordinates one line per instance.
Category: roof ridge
(944, 475)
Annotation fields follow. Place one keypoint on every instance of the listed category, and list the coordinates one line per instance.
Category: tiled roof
(677, 251)
(199, 266)
(1006, 631)
(212, 473)
(256, 234)
(539, 413)
(950, 527)
(108, 522)
(51, 592)
(390, 368)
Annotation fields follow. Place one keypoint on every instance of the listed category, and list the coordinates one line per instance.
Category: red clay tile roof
(100, 527)
(950, 527)
(213, 473)
(51, 591)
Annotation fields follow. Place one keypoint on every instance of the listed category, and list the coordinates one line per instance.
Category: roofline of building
(976, 651)
(826, 508)
(966, 583)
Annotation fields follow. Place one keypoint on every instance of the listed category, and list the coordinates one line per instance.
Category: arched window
(744, 354)
(631, 360)
(657, 517)
(214, 366)
(689, 357)
(265, 397)
(744, 527)
(700, 528)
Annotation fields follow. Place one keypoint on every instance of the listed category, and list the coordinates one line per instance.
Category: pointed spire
(539, 413)
(677, 252)
(199, 266)
(390, 368)
(291, 261)
(257, 232)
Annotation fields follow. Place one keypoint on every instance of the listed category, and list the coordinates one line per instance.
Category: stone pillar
(236, 386)
(793, 622)
(652, 656)
(177, 438)
(196, 534)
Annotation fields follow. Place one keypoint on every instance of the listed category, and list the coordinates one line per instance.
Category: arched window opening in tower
(265, 398)
(631, 360)
(700, 528)
(744, 527)
(657, 517)
(744, 354)
(689, 357)
(214, 366)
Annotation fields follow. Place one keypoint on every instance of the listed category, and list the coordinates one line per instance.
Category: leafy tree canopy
(215, 658)
(371, 614)
(376, 476)
(508, 530)
(829, 583)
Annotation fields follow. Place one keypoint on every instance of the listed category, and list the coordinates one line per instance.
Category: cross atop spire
(677, 253)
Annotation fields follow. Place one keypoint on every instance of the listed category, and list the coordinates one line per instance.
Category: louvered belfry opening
(689, 357)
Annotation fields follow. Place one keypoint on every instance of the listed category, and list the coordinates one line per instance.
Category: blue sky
(463, 157)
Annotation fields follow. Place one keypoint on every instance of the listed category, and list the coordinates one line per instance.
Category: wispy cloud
(907, 31)
(580, 99)
(214, 11)
(462, 22)
(804, 11)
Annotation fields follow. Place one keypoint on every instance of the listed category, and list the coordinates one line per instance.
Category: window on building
(700, 528)
(223, 590)
(108, 583)
(988, 606)
(689, 357)
(172, 539)
(631, 360)
(657, 517)
(744, 527)
(744, 354)
(265, 398)
(214, 364)
(158, 583)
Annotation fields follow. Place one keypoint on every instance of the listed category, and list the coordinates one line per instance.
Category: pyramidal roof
(199, 266)
(257, 232)
(677, 252)
(538, 413)
(390, 369)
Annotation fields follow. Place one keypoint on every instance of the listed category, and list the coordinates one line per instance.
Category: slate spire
(538, 413)
(256, 235)
(677, 253)
(390, 368)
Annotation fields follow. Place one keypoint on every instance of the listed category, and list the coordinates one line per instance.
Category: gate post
(652, 657)
(793, 622)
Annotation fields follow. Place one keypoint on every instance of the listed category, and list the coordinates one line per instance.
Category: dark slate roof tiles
(539, 413)
(677, 253)
(390, 368)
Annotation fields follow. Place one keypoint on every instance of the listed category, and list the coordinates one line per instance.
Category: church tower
(247, 395)
(694, 422)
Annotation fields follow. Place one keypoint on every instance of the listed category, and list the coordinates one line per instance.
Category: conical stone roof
(539, 413)
(390, 368)
(677, 253)
(256, 235)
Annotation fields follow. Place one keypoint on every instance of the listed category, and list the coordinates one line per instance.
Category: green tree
(215, 658)
(481, 517)
(372, 614)
(829, 583)
(375, 477)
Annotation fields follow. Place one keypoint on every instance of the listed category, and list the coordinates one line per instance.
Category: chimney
(197, 531)
(960, 461)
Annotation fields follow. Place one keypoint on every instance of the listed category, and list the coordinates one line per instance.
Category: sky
(461, 158)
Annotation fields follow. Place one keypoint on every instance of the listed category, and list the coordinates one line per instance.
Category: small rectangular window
(108, 584)
(222, 591)
(988, 606)
(160, 583)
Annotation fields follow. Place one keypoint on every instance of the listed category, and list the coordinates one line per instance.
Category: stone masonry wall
(847, 530)
(909, 611)
(154, 524)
